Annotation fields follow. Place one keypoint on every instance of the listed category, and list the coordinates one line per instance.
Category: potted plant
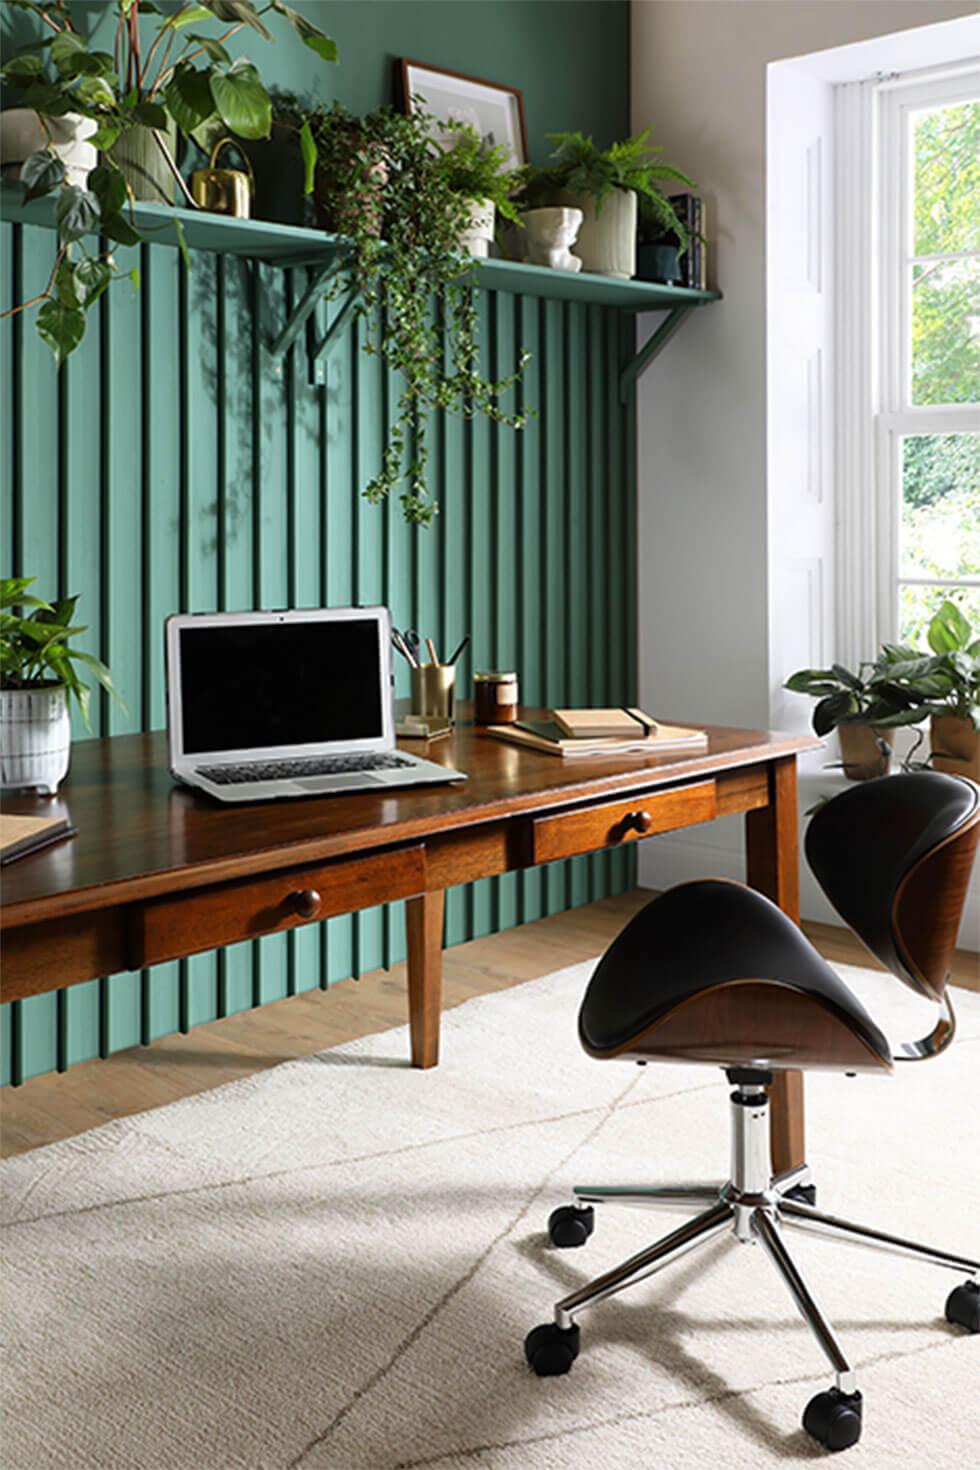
(283, 164)
(382, 181)
(864, 708)
(477, 172)
(605, 185)
(38, 678)
(138, 97)
(946, 687)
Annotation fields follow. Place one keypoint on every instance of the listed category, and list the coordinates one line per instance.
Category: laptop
(264, 705)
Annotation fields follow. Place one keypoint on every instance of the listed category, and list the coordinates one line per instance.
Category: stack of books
(578, 732)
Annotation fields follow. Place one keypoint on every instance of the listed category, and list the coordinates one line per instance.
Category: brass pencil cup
(434, 691)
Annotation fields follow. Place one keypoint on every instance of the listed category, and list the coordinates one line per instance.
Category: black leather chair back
(894, 857)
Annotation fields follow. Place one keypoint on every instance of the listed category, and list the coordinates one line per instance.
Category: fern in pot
(39, 677)
(605, 184)
(478, 173)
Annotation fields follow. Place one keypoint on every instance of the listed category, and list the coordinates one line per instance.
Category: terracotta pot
(339, 199)
(859, 752)
(607, 240)
(955, 746)
(35, 737)
(144, 167)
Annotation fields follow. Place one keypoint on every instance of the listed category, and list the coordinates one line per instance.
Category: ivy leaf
(77, 213)
(92, 276)
(61, 327)
(109, 187)
(41, 172)
(242, 100)
(189, 98)
(309, 34)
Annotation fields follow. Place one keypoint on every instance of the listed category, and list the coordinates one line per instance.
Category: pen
(432, 651)
(459, 650)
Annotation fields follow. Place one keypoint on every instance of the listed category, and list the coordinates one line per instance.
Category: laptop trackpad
(338, 782)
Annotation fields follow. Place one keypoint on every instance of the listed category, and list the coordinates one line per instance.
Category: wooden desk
(159, 873)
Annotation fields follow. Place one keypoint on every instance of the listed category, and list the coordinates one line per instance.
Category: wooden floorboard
(60, 1106)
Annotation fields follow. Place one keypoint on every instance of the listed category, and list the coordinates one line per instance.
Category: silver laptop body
(262, 705)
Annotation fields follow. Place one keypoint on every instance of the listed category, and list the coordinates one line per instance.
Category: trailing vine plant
(383, 186)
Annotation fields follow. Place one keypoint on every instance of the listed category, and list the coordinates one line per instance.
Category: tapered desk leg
(772, 862)
(423, 924)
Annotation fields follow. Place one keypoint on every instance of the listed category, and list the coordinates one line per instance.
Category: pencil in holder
(434, 691)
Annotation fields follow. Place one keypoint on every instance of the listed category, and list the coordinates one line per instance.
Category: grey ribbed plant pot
(144, 167)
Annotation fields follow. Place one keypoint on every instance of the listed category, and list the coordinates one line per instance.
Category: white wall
(708, 644)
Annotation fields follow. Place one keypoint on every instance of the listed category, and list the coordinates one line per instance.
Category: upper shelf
(291, 245)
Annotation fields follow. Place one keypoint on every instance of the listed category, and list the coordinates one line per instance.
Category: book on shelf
(549, 737)
(694, 262)
(22, 835)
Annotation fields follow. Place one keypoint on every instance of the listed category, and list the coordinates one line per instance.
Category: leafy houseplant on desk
(38, 677)
(864, 708)
(138, 96)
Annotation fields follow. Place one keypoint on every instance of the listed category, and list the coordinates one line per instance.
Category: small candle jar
(495, 699)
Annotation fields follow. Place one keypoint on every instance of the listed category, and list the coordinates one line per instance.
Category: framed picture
(496, 112)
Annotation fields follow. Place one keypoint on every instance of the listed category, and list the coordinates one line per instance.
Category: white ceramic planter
(606, 241)
(22, 132)
(35, 737)
(548, 236)
(478, 234)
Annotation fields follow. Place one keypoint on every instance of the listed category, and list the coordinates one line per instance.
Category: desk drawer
(208, 918)
(611, 823)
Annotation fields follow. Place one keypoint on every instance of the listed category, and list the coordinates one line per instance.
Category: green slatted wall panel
(168, 467)
(152, 481)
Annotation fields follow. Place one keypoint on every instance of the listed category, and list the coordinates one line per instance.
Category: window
(927, 425)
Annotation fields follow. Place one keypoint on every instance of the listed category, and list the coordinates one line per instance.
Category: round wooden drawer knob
(306, 902)
(640, 821)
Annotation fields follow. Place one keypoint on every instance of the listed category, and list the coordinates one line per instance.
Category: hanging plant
(180, 78)
(381, 182)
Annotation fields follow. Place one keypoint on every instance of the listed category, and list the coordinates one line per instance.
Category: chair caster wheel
(569, 1225)
(805, 1193)
(963, 1306)
(551, 1350)
(834, 1418)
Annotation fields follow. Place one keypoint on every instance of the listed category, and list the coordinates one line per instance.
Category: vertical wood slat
(170, 448)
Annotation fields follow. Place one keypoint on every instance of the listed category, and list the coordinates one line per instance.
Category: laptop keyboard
(331, 765)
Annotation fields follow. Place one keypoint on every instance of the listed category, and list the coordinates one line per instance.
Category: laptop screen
(252, 686)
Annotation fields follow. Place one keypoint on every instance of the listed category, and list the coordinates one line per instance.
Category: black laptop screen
(252, 686)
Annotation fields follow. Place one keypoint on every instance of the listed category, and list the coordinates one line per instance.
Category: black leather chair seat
(697, 936)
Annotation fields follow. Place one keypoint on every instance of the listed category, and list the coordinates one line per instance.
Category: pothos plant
(393, 197)
(180, 75)
(36, 649)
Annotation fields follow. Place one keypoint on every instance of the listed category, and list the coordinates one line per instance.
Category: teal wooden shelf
(292, 245)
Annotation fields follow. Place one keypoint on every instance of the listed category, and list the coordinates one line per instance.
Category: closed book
(22, 835)
(548, 737)
(594, 724)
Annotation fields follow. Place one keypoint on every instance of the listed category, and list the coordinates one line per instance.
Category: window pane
(916, 606)
(940, 524)
(946, 332)
(946, 172)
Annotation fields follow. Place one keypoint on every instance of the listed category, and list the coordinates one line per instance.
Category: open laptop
(271, 704)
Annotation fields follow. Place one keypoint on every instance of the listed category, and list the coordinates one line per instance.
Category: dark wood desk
(158, 873)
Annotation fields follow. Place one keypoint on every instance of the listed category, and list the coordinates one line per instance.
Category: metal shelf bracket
(651, 349)
(319, 349)
(300, 314)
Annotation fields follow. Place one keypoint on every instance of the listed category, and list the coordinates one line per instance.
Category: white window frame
(873, 397)
(897, 416)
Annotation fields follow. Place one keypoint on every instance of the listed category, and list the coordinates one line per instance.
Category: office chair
(714, 972)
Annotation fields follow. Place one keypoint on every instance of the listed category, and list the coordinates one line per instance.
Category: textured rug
(334, 1263)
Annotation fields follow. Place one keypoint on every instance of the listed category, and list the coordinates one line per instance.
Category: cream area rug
(334, 1264)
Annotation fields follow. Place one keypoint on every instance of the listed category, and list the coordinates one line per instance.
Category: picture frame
(496, 111)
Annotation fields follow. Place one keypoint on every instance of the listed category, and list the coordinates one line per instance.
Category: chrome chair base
(753, 1207)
